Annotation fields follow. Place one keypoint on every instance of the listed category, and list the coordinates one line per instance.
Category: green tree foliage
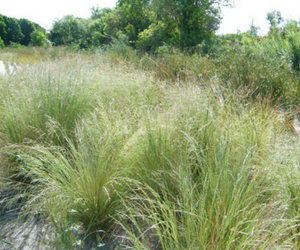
(98, 25)
(274, 17)
(154, 36)
(130, 18)
(291, 27)
(28, 28)
(13, 31)
(292, 33)
(181, 23)
(1, 43)
(17, 31)
(148, 24)
(192, 18)
(71, 30)
(3, 33)
(253, 32)
(38, 38)
(294, 40)
(98, 13)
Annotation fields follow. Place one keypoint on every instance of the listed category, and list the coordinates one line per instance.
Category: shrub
(38, 38)
(294, 40)
(1, 43)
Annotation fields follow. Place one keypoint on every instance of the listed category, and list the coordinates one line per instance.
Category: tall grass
(178, 67)
(177, 166)
(222, 198)
(40, 97)
(33, 55)
(263, 68)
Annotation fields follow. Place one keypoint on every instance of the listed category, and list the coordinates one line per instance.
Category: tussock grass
(105, 145)
(215, 193)
(40, 98)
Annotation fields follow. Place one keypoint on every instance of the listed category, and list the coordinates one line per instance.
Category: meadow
(175, 151)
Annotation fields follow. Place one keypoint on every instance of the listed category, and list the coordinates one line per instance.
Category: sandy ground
(15, 234)
(34, 235)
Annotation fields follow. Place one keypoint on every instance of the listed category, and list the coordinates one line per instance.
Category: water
(4, 70)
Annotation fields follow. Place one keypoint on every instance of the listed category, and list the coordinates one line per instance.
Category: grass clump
(222, 197)
(39, 98)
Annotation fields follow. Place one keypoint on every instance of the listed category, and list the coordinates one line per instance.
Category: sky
(239, 18)
(245, 11)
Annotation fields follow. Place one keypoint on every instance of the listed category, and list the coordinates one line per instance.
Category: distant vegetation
(143, 24)
(20, 32)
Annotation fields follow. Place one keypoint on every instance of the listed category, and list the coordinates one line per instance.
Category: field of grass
(173, 152)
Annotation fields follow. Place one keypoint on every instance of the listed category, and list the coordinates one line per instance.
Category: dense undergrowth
(175, 151)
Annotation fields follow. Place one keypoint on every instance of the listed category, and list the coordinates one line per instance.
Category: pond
(6, 69)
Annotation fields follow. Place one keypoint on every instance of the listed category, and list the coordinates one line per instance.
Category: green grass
(222, 198)
(176, 161)
(32, 55)
(50, 103)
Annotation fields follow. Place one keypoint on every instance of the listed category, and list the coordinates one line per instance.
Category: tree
(1, 43)
(275, 20)
(27, 27)
(98, 25)
(147, 24)
(3, 34)
(130, 18)
(253, 32)
(17, 31)
(98, 12)
(38, 38)
(274, 17)
(292, 33)
(71, 30)
(13, 31)
(187, 22)
(154, 36)
(291, 27)
(182, 23)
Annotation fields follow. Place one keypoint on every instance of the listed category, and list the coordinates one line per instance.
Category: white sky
(239, 18)
(44, 12)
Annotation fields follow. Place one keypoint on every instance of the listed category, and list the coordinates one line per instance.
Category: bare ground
(33, 234)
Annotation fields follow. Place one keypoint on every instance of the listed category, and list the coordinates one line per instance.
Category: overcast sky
(239, 18)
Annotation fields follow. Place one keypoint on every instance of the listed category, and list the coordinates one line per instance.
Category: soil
(14, 233)
(32, 234)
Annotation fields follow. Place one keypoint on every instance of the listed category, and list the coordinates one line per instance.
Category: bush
(1, 43)
(294, 40)
(38, 38)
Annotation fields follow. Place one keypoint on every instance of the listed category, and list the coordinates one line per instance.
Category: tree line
(15, 31)
(143, 24)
